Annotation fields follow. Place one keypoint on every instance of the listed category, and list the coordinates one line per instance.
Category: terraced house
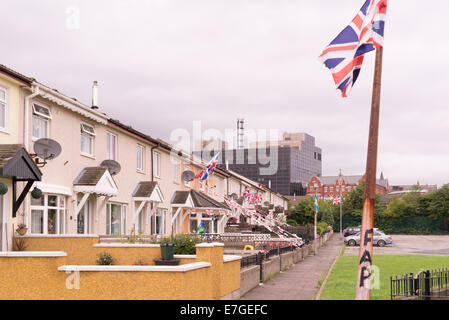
(79, 195)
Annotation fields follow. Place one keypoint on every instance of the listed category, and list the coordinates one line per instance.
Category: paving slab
(301, 280)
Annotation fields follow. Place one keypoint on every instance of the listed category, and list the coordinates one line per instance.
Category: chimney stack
(95, 95)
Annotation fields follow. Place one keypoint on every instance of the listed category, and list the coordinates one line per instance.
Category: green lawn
(342, 281)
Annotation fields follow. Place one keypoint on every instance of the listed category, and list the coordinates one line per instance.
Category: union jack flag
(210, 168)
(344, 55)
(337, 200)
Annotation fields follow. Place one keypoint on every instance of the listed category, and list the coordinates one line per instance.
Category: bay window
(48, 214)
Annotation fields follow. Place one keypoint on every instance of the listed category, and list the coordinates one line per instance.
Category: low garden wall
(249, 279)
(49, 275)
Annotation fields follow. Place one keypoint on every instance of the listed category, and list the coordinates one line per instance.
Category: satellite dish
(47, 149)
(112, 165)
(188, 175)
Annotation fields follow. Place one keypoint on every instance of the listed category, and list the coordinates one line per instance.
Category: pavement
(410, 244)
(301, 280)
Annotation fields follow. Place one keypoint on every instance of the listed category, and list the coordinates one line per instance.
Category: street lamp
(315, 185)
(340, 182)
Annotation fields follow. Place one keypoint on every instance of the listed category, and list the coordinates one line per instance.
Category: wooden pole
(366, 234)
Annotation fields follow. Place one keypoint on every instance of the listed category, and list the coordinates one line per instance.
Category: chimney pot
(95, 95)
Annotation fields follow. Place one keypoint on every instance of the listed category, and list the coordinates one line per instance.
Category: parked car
(351, 231)
(379, 238)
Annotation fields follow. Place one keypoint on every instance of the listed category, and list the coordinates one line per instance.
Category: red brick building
(328, 187)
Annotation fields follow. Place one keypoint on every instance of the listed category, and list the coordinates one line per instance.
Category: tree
(438, 204)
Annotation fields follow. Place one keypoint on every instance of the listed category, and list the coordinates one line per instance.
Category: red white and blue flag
(337, 200)
(344, 55)
(210, 168)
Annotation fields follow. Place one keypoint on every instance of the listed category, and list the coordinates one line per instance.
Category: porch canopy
(94, 180)
(199, 202)
(147, 192)
(17, 164)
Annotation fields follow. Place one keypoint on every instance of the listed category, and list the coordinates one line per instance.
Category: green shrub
(184, 243)
(321, 227)
(104, 259)
(292, 222)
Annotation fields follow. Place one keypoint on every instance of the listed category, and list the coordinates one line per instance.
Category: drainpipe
(152, 176)
(26, 140)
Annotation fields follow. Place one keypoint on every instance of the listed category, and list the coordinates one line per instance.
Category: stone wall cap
(59, 236)
(33, 254)
(127, 245)
(95, 268)
(229, 258)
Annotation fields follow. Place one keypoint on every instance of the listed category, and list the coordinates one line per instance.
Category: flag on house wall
(210, 168)
(344, 55)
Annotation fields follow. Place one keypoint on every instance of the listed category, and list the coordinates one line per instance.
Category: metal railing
(425, 285)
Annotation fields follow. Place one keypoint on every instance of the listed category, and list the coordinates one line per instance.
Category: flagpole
(366, 234)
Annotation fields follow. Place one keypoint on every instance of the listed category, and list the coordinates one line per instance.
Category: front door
(83, 219)
(1, 223)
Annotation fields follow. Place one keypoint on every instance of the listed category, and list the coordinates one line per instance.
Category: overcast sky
(162, 64)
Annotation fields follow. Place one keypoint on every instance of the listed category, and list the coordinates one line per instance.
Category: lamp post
(315, 223)
(340, 182)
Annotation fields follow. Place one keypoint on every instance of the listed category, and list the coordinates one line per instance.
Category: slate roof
(200, 200)
(15, 161)
(144, 189)
(89, 176)
(7, 152)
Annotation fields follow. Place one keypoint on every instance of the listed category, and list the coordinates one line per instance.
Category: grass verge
(342, 281)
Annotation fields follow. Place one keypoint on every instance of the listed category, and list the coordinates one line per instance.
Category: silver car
(379, 238)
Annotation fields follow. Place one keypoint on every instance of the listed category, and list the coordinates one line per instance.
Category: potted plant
(22, 229)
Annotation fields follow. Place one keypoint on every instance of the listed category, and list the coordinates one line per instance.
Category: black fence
(259, 258)
(425, 285)
(305, 232)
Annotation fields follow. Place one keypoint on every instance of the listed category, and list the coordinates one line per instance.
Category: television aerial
(112, 165)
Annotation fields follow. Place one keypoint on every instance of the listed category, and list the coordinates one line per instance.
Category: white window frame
(162, 213)
(42, 117)
(177, 171)
(123, 210)
(6, 103)
(45, 208)
(108, 145)
(156, 164)
(90, 135)
(142, 158)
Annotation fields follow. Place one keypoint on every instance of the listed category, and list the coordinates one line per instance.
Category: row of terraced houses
(81, 197)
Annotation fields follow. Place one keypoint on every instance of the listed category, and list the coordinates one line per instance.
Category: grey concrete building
(286, 166)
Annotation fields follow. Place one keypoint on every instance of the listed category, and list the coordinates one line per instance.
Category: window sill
(87, 155)
(5, 130)
(140, 171)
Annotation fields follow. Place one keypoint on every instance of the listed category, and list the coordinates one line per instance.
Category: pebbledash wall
(51, 275)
